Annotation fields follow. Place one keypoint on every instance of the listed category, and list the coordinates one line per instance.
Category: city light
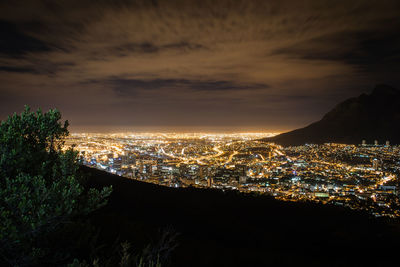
(359, 177)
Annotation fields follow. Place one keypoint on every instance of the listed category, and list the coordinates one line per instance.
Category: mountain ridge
(374, 116)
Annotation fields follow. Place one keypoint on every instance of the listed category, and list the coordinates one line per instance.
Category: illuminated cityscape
(362, 177)
(176, 133)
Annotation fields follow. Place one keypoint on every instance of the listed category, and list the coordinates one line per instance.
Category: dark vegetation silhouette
(369, 117)
(40, 188)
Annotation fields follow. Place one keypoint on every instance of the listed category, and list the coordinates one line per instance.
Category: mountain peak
(369, 117)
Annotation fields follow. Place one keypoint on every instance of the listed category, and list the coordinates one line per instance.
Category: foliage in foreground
(124, 255)
(40, 186)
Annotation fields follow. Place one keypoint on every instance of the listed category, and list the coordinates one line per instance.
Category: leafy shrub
(40, 186)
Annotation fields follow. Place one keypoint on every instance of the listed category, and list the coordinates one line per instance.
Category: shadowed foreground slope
(371, 117)
(232, 229)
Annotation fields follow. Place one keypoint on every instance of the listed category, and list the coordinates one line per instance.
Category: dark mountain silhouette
(218, 228)
(369, 117)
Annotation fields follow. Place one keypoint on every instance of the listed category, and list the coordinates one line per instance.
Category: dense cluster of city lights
(361, 177)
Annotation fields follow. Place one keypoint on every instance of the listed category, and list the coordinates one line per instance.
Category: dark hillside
(369, 117)
(232, 229)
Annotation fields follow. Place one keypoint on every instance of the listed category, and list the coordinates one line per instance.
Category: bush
(40, 187)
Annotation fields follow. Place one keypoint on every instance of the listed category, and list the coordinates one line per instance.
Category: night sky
(194, 65)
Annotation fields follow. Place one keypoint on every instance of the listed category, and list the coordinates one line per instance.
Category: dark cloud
(146, 47)
(17, 69)
(15, 43)
(126, 87)
(368, 50)
(39, 67)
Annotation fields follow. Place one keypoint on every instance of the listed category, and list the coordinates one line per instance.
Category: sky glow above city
(194, 65)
